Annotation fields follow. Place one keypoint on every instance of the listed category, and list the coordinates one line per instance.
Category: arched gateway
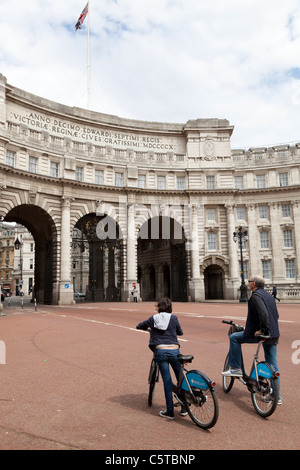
(146, 205)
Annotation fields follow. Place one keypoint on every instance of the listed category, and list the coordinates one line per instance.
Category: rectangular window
(212, 241)
(290, 268)
(180, 182)
(261, 181)
(119, 179)
(266, 269)
(211, 215)
(54, 169)
(161, 182)
(239, 182)
(10, 158)
(286, 210)
(264, 240)
(240, 213)
(283, 179)
(263, 212)
(210, 182)
(79, 173)
(33, 164)
(99, 176)
(287, 238)
(142, 181)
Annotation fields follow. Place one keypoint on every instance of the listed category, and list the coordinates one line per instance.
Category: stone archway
(162, 259)
(43, 230)
(99, 258)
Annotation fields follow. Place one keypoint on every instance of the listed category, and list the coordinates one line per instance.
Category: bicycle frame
(197, 379)
(262, 380)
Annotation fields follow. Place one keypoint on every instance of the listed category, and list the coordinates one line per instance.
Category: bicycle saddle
(182, 358)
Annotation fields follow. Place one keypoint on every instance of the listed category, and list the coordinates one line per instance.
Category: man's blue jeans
(165, 358)
(234, 360)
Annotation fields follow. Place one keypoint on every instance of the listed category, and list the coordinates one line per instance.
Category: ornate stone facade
(155, 204)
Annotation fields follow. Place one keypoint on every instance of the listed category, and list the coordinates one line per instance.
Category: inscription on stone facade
(64, 128)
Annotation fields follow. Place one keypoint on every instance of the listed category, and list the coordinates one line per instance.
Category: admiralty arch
(118, 205)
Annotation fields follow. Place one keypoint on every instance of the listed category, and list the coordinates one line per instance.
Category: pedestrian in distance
(164, 328)
(262, 319)
(274, 293)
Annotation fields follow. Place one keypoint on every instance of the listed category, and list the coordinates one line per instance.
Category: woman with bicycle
(164, 328)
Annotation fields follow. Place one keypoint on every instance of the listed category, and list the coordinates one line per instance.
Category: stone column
(196, 287)
(131, 253)
(255, 266)
(233, 283)
(277, 244)
(66, 295)
(296, 210)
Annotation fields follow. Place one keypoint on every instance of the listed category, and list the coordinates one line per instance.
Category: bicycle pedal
(177, 404)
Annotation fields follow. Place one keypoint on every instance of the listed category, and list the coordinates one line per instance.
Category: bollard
(35, 308)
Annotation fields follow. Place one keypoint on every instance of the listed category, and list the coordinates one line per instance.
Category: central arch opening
(162, 266)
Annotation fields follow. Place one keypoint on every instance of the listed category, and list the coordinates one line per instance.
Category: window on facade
(141, 181)
(211, 215)
(266, 269)
(261, 181)
(264, 240)
(283, 179)
(287, 238)
(286, 210)
(79, 173)
(263, 212)
(290, 268)
(54, 169)
(33, 164)
(180, 182)
(161, 182)
(240, 213)
(99, 176)
(10, 158)
(211, 241)
(239, 182)
(210, 182)
(119, 179)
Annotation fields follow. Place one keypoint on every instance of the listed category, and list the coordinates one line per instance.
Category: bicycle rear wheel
(265, 398)
(227, 382)
(153, 378)
(203, 408)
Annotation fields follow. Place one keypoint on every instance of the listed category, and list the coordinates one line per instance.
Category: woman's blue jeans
(234, 360)
(165, 358)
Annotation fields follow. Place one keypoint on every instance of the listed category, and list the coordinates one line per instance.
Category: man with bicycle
(262, 318)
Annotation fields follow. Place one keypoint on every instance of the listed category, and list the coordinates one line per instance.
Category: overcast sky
(163, 60)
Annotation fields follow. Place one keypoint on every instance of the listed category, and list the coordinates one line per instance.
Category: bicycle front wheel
(265, 397)
(153, 378)
(203, 409)
(227, 382)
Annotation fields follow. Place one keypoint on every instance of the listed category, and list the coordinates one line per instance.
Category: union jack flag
(81, 18)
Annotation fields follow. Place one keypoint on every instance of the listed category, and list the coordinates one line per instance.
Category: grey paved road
(76, 378)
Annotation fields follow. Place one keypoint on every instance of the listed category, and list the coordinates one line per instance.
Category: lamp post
(241, 236)
(18, 246)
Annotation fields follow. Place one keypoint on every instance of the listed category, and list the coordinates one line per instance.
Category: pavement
(75, 378)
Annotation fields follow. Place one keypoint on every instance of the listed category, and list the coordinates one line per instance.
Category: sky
(163, 60)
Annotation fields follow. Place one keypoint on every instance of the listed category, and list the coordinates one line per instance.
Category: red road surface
(76, 378)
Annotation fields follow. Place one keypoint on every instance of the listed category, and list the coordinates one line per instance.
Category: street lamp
(241, 236)
(18, 246)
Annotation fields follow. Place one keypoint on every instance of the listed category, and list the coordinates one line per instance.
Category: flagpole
(88, 64)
